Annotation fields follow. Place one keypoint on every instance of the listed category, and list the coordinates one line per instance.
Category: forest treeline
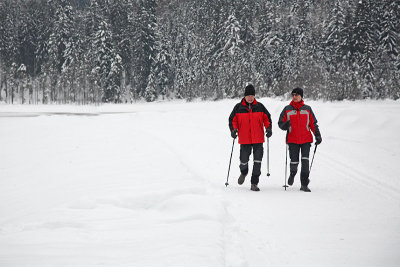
(119, 51)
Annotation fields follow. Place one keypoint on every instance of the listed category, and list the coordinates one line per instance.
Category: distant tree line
(93, 51)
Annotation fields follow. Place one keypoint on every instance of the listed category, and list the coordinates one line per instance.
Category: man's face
(296, 97)
(249, 98)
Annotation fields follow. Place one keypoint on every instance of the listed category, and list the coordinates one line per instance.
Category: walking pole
(268, 157)
(315, 150)
(286, 186)
(229, 168)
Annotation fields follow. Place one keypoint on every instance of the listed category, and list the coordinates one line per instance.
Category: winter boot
(291, 178)
(254, 187)
(305, 188)
(241, 179)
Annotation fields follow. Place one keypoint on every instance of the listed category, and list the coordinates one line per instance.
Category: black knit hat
(249, 90)
(298, 91)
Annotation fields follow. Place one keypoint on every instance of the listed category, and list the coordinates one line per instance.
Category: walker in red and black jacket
(250, 120)
(299, 120)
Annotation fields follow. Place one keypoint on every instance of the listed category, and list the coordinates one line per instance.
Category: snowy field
(143, 185)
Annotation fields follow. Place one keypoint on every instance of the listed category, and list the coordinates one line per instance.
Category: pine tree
(121, 13)
(246, 14)
(60, 37)
(388, 50)
(335, 37)
(107, 62)
(102, 54)
(73, 71)
(22, 84)
(269, 44)
(212, 79)
(230, 56)
(163, 77)
(150, 92)
(8, 45)
(144, 44)
(364, 38)
(389, 33)
(334, 51)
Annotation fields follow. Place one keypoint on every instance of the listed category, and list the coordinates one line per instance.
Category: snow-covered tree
(269, 46)
(107, 63)
(143, 45)
(364, 43)
(230, 56)
(60, 37)
(389, 37)
(162, 67)
(334, 36)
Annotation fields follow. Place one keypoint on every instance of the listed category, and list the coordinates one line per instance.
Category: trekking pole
(268, 157)
(315, 150)
(286, 186)
(229, 168)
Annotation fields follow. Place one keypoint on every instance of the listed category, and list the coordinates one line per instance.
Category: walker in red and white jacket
(300, 121)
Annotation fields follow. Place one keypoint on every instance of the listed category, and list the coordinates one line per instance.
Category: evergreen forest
(121, 51)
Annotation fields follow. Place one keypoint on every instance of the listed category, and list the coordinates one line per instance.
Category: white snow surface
(143, 185)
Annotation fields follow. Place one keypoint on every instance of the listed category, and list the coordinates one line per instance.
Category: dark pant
(245, 152)
(294, 150)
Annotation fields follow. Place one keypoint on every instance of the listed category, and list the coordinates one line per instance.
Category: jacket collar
(297, 105)
(244, 103)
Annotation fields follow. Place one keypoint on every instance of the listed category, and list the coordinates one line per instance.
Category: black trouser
(294, 150)
(245, 152)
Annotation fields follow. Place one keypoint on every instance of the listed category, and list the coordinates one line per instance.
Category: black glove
(318, 140)
(286, 125)
(234, 133)
(268, 133)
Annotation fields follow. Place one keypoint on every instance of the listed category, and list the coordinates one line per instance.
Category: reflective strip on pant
(294, 162)
(305, 158)
(241, 163)
(257, 161)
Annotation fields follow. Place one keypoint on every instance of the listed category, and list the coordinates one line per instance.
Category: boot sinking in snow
(254, 187)
(305, 188)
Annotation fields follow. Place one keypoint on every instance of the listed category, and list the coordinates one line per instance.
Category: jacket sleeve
(282, 119)
(314, 124)
(267, 120)
(233, 124)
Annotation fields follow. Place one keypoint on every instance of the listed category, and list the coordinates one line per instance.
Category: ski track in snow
(232, 242)
(361, 177)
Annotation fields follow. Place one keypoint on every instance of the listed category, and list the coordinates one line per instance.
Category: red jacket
(250, 120)
(302, 123)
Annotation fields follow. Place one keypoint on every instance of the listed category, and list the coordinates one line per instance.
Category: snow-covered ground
(143, 185)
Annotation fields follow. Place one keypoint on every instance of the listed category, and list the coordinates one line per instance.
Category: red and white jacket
(250, 120)
(302, 123)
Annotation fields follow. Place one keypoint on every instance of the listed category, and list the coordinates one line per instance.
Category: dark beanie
(298, 91)
(249, 90)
